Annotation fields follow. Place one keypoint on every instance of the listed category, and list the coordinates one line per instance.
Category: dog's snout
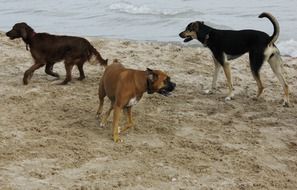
(174, 85)
(181, 34)
(171, 86)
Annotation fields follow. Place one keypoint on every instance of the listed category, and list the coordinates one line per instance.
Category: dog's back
(116, 78)
(111, 77)
(237, 42)
(56, 48)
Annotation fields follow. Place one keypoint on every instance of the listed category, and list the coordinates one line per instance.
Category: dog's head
(19, 30)
(191, 31)
(158, 81)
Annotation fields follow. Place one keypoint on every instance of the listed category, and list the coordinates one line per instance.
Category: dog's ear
(195, 26)
(205, 43)
(25, 30)
(151, 78)
(149, 70)
(24, 33)
(151, 75)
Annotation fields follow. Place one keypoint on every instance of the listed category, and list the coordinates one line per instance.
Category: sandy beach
(50, 138)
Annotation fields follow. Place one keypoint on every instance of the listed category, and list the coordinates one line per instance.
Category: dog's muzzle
(10, 35)
(165, 91)
(187, 38)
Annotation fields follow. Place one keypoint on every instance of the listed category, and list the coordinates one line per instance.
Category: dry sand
(50, 138)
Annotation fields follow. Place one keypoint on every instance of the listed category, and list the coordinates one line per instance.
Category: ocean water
(150, 19)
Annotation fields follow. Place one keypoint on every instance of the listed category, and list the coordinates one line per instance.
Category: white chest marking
(132, 102)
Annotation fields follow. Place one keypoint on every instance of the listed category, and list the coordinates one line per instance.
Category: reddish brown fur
(47, 49)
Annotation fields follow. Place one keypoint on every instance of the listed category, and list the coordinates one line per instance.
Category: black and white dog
(229, 44)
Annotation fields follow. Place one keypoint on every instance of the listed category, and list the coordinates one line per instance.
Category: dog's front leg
(29, 73)
(217, 70)
(228, 75)
(115, 124)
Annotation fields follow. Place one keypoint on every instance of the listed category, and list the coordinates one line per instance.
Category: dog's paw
(208, 91)
(228, 98)
(286, 104)
(102, 125)
(81, 78)
(63, 83)
(56, 75)
(117, 139)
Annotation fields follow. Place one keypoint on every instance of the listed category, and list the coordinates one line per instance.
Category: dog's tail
(93, 51)
(275, 24)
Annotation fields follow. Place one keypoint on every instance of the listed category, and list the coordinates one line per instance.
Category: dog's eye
(167, 80)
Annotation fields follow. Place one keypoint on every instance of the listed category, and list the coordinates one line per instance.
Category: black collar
(149, 86)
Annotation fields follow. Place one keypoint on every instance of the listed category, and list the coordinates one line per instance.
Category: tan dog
(125, 87)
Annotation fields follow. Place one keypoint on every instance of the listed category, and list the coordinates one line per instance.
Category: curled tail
(93, 51)
(275, 24)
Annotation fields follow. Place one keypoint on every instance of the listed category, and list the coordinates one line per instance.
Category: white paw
(208, 91)
(286, 104)
(102, 125)
(228, 98)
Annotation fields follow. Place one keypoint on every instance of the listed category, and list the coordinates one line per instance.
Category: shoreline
(193, 44)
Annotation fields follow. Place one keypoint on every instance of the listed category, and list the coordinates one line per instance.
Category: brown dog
(47, 49)
(125, 87)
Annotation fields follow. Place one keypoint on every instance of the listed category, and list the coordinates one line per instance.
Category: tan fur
(121, 85)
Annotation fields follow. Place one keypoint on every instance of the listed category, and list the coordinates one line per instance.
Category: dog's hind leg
(256, 76)
(256, 62)
(80, 65)
(106, 115)
(228, 75)
(101, 94)
(68, 67)
(129, 119)
(49, 70)
(276, 64)
(115, 124)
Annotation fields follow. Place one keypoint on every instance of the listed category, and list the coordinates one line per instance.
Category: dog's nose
(173, 85)
(181, 35)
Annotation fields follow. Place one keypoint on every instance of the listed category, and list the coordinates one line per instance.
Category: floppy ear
(23, 33)
(151, 75)
(149, 70)
(195, 26)
(150, 80)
